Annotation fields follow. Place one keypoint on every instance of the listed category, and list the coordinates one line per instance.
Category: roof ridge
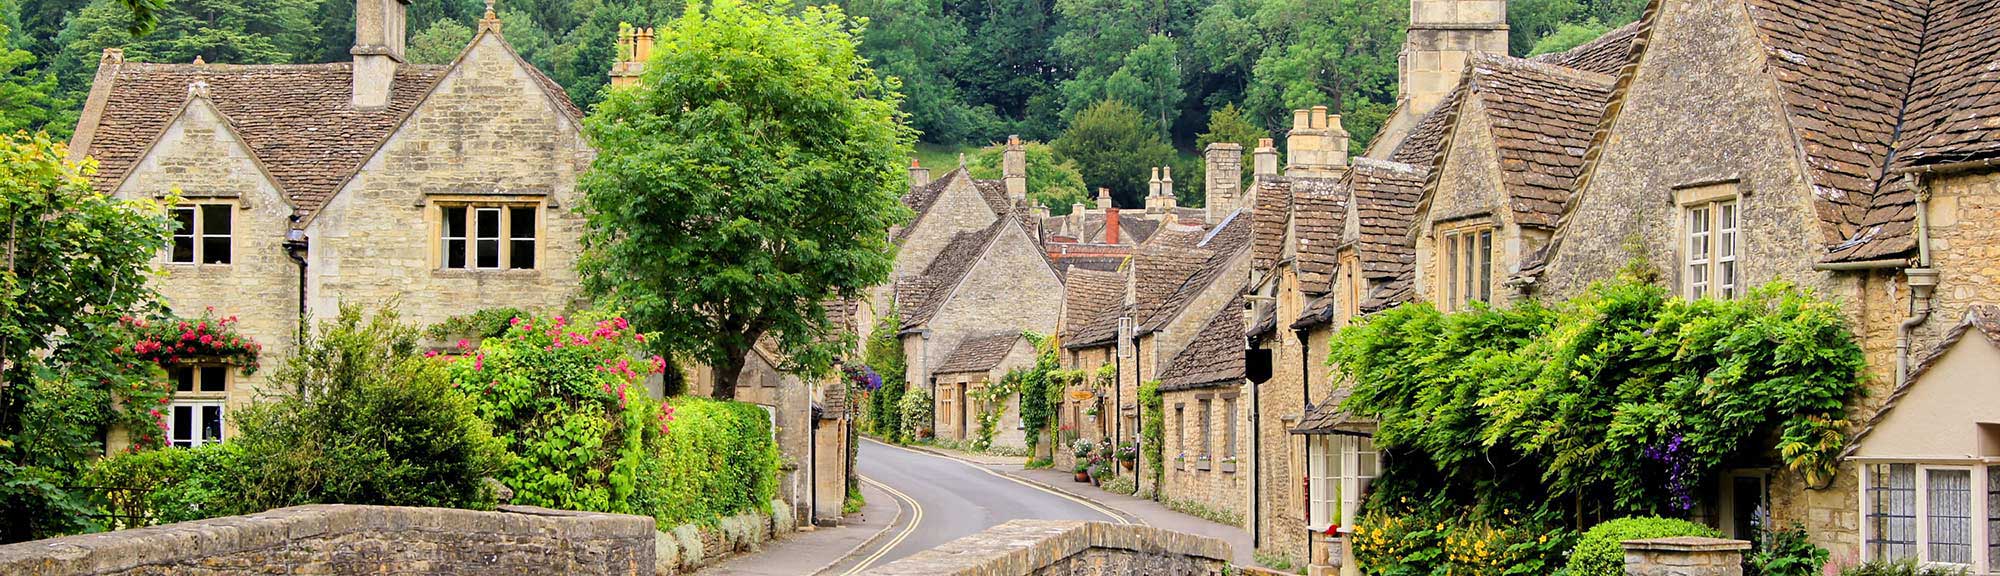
(1517, 63)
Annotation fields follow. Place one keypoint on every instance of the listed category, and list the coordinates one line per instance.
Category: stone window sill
(1229, 466)
(486, 273)
(197, 266)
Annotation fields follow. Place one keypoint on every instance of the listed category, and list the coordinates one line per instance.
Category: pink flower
(479, 362)
(430, 353)
(620, 321)
(207, 339)
(463, 344)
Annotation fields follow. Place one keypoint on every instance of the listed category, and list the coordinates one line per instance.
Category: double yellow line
(916, 518)
(1099, 508)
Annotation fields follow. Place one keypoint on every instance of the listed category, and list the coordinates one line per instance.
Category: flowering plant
(1082, 448)
(864, 377)
(168, 341)
(1127, 451)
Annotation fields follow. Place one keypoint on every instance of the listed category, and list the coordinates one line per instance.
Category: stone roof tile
(1273, 210)
(1089, 296)
(1319, 212)
(1214, 357)
(979, 353)
(1543, 117)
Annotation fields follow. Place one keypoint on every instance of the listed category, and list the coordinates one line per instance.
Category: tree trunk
(726, 373)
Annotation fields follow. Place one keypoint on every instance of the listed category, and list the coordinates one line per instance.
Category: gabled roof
(1319, 210)
(297, 119)
(928, 291)
(1222, 245)
(1421, 147)
(979, 353)
(1542, 119)
(1329, 418)
(1982, 319)
(920, 199)
(1957, 92)
(1215, 356)
(1385, 206)
(1273, 210)
(1088, 295)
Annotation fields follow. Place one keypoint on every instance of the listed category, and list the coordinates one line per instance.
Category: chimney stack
(635, 46)
(1103, 198)
(379, 33)
(1014, 169)
(1153, 192)
(1264, 160)
(1225, 178)
(1316, 146)
(1167, 188)
(1443, 35)
(919, 175)
(1111, 226)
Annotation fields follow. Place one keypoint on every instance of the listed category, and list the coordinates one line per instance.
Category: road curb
(872, 539)
(1129, 516)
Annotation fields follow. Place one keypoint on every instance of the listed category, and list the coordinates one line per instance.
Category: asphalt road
(952, 499)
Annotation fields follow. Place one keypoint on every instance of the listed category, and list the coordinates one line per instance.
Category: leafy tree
(1114, 147)
(1227, 124)
(1569, 35)
(1007, 64)
(1340, 54)
(745, 181)
(1151, 77)
(440, 43)
(1531, 22)
(917, 42)
(1052, 182)
(71, 262)
(27, 93)
(217, 31)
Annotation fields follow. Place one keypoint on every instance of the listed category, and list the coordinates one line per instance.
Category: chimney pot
(1319, 117)
(1111, 225)
(1103, 198)
(1301, 119)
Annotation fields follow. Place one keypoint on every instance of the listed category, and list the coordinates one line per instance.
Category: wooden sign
(1081, 395)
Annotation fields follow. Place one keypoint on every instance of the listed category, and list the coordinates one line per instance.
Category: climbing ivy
(1153, 425)
(1624, 400)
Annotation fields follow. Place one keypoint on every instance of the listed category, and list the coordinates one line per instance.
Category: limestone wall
(1684, 556)
(1221, 483)
(342, 539)
(1068, 548)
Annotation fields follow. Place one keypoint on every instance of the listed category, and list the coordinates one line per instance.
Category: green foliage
(1227, 125)
(883, 352)
(74, 262)
(440, 43)
(27, 92)
(1039, 395)
(914, 412)
(719, 460)
(1905, 567)
(483, 323)
(1153, 429)
(1569, 35)
(1598, 552)
(1784, 552)
(855, 500)
(1432, 538)
(992, 399)
(1052, 182)
(152, 487)
(1622, 401)
(1531, 23)
(744, 182)
(1113, 146)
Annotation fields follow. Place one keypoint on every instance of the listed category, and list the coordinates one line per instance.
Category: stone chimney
(1111, 225)
(1167, 187)
(1041, 212)
(635, 46)
(1443, 35)
(1014, 169)
(919, 175)
(379, 33)
(1103, 198)
(1224, 161)
(1316, 146)
(1153, 192)
(1264, 160)
(1075, 218)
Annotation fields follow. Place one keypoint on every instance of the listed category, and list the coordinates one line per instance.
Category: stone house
(1087, 333)
(442, 189)
(982, 282)
(980, 362)
(1205, 404)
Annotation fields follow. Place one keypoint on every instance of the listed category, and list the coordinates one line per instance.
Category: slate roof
(1317, 311)
(1543, 117)
(1065, 264)
(1214, 357)
(1273, 210)
(1131, 229)
(1319, 210)
(298, 119)
(1089, 296)
(979, 353)
(1385, 205)
(919, 298)
(1329, 418)
(1392, 293)
(1981, 318)
(1421, 147)
(1957, 93)
(1221, 246)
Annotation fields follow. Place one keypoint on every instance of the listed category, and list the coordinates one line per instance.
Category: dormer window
(201, 234)
(1711, 249)
(1468, 266)
(487, 236)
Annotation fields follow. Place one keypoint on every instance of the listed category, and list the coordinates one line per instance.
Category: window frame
(1205, 408)
(196, 407)
(1979, 511)
(1468, 270)
(197, 235)
(1334, 464)
(1710, 260)
(505, 238)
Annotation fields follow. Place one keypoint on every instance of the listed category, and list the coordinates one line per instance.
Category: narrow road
(943, 499)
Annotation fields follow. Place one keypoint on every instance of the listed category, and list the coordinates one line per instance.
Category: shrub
(1905, 567)
(150, 487)
(717, 460)
(1436, 538)
(914, 410)
(1598, 552)
(1784, 552)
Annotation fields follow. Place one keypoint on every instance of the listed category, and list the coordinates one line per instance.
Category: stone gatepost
(1684, 556)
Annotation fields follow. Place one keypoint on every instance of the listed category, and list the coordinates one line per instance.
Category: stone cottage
(442, 189)
(980, 363)
(1205, 403)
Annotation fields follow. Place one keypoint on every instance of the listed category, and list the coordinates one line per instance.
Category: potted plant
(1100, 470)
(1082, 449)
(1127, 454)
(1082, 471)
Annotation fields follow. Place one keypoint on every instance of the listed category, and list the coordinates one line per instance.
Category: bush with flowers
(166, 341)
(567, 398)
(1431, 540)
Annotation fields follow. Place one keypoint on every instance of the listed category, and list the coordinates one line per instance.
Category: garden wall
(345, 539)
(1068, 548)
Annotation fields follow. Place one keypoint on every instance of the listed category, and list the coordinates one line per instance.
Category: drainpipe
(1922, 279)
(296, 246)
(1256, 462)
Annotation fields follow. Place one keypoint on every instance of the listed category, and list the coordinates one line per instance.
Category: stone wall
(1068, 548)
(1010, 288)
(1221, 483)
(342, 539)
(1684, 556)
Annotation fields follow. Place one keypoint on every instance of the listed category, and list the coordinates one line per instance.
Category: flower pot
(1128, 464)
(1083, 476)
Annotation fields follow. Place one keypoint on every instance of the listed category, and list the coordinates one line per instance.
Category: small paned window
(202, 234)
(199, 378)
(1713, 248)
(487, 237)
(1469, 267)
(1205, 407)
(1229, 428)
(193, 424)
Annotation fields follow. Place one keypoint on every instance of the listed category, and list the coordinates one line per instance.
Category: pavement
(814, 552)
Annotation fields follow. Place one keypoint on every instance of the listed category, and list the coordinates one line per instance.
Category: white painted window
(1713, 249)
(202, 234)
(1468, 269)
(1340, 467)
(487, 237)
(194, 414)
(1927, 513)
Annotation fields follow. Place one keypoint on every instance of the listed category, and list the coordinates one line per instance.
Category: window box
(1201, 463)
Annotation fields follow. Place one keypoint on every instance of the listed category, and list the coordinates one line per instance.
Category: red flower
(207, 339)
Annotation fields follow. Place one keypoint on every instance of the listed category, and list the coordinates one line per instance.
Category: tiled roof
(298, 119)
(994, 192)
(1317, 311)
(1214, 357)
(1131, 229)
(1983, 319)
(1319, 210)
(979, 353)
(1385, 206)
(1328, 417)
(1273, 209)
(1108, 263)
(1389, 294)
(1088, 296)
(1957, 94)
(1606, 55)
(1218, 249)
(920, 199)
(1421, 147)
(1543, 117)
(1844, 70)
(927, 293)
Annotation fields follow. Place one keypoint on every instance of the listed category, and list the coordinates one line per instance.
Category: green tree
(440, 43)
(1227, 124)
(1340, 54)
(1114, 147)
(1569, 35)
(27, 93)
(1052, 182)
(71, 262)
(916, 42)
(1531, 23)
(217, 31)
(1151, 76)
(745, 181)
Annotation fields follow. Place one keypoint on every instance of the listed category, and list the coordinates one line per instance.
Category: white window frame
(197, 234)
(1712, 248)
(1978, 511)
(1468, 265)
(505, 238)
(1335, 477)
(195, 438)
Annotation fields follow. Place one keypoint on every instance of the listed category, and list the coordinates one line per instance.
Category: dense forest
(972, 71)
